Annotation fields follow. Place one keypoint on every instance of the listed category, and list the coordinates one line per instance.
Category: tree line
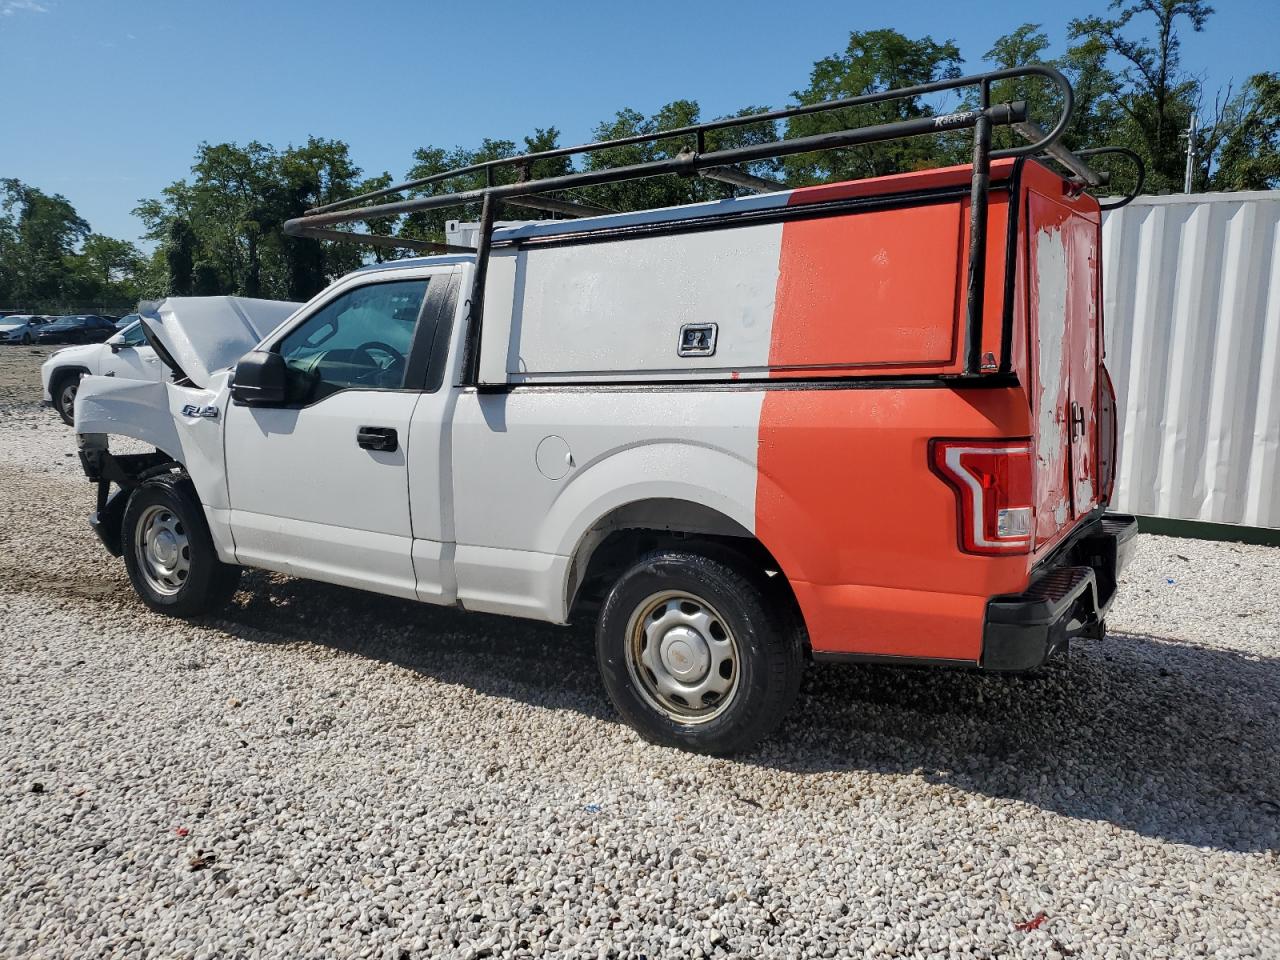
(220, 231)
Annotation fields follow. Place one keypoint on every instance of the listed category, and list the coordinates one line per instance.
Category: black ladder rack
(721, 165)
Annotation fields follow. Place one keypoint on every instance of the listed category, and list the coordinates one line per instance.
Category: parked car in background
(125, 355)
(77, 328)
(127, 321)
(21, 327)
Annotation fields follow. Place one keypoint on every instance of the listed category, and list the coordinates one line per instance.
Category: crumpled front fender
(185, 423)
(128, 408)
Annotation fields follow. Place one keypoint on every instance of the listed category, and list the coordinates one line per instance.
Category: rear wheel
(169, 552)
(26, 339)
(699, 652)
(64, 396)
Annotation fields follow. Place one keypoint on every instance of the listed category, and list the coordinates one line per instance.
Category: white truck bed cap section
(617, 309)
(207, 334)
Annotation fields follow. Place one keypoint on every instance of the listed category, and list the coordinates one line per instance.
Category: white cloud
(9, 7)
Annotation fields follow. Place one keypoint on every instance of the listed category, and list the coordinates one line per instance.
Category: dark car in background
(78, 328)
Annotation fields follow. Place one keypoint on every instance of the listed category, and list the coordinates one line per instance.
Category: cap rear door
(1062, 254)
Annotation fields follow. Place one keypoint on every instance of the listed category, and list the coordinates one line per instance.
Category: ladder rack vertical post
(475, 318)
(979, 191)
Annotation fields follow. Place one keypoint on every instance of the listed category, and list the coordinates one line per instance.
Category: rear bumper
(1069, 597)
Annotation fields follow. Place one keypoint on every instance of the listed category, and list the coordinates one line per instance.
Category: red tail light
(992, 481)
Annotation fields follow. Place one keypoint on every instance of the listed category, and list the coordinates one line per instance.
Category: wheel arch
(60, 375)
(627, 531)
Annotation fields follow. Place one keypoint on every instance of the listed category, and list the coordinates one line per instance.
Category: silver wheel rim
(682, 656)
(67, 397)
(162, 550)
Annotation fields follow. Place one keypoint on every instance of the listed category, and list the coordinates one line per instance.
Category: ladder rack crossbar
(699, 131)
(684, 164)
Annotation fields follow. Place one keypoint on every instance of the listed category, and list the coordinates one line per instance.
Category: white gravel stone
(322, 773)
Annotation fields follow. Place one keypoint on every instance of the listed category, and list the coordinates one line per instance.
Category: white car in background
(125, 355)
(21, 327)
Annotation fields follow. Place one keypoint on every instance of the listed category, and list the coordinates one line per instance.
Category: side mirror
(260, 380)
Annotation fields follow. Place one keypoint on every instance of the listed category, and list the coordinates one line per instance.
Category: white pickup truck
(851, 422)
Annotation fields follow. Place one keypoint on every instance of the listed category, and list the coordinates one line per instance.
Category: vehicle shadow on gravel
(1162, 738)
(1155, 736)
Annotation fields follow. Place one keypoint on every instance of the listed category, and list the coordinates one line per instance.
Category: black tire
(207, 583)
(26, 339)
(759, 621)
(63, 390)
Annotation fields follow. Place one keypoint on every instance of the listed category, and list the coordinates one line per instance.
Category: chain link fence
(64, 309)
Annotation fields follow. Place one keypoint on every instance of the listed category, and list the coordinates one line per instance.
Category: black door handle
(377, 438)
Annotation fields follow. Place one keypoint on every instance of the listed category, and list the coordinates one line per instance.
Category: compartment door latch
(697, 340)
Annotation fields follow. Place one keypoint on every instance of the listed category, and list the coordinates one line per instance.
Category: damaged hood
(198, 336)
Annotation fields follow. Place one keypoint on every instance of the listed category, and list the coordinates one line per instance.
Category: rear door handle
(1077, 419)
(377, 438)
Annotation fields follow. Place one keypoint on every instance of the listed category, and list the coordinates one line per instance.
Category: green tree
(1095, 116)
(319, 172)
(42, 232)
(109, 261)
(432, 161)
(151, 281)
(672, 190)
(104, 271)
(1025, 45)
(1151, 97)
(1250, 154)
(179, 253)
(222, 230)
(872, 61)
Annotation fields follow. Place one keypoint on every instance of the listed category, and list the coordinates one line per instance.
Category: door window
(131, 336)
(359, 340)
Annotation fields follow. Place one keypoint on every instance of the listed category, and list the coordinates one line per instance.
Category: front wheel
(699, 651)
(169, 552)
(26, 339)
(64, 397)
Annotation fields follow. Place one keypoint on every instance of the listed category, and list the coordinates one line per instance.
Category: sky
(105, 101)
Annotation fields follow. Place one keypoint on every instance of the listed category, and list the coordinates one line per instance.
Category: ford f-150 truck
(859, 421)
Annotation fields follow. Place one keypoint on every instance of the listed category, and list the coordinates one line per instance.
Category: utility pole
(1192, 128)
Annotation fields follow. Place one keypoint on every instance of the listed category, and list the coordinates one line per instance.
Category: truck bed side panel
(864, 531)
(536, 468)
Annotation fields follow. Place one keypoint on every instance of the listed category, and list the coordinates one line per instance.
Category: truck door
(319, 488)
(1062, 256)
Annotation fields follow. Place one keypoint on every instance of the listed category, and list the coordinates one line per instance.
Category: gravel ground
(320, 773)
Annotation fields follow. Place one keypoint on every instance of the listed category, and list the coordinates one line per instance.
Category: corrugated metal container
(1192, 311)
